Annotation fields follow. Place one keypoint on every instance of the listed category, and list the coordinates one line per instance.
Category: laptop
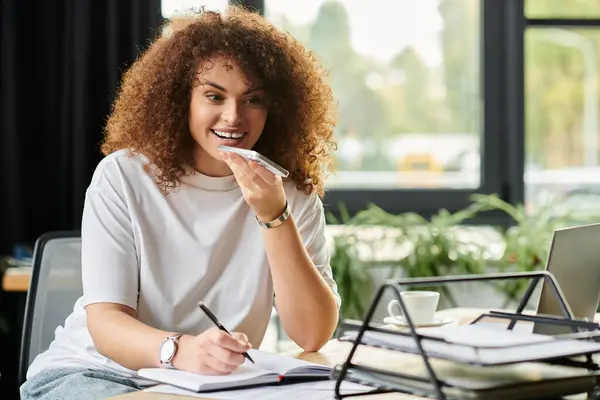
(574, 260)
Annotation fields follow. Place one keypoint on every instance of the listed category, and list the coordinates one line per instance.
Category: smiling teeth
(228, 135)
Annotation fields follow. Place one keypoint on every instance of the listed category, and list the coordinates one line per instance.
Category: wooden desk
(332, 354)
(16, 280)
(335, 353)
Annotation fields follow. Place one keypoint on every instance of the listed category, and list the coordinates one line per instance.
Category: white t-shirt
(162, 254)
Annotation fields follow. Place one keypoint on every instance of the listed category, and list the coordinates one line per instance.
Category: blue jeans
(76, 383)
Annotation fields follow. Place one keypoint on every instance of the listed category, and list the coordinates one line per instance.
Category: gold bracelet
(278, 221)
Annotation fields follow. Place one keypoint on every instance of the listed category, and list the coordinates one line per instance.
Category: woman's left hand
(262, 190)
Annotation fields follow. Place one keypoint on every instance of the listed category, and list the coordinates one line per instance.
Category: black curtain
(60, 65)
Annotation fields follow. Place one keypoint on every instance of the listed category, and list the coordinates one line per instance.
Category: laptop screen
(574, 261)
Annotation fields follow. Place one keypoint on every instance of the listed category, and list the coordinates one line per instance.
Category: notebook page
(282, 364)
(196, 382)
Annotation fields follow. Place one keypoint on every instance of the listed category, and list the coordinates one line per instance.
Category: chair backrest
(54, 288)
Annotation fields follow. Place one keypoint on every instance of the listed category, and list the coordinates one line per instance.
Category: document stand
(431, 386)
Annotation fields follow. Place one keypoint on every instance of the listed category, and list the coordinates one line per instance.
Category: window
(561, 67)
(406, 76)
(561, 93)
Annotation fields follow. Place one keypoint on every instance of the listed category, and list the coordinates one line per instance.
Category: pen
(219, 325)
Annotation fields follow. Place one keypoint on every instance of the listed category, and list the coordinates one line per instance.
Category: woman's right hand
(213, 352)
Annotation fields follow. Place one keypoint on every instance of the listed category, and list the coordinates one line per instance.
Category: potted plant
(416, 246)
(433, 247)
(444, 245)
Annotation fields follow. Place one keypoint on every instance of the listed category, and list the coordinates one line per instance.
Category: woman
(169, 220)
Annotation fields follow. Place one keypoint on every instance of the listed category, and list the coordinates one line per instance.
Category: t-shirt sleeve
(311, 225)
(108, 256)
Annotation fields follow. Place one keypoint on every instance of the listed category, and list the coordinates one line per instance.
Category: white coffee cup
(420, 304)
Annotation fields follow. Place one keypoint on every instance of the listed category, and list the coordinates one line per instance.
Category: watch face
(167, 350)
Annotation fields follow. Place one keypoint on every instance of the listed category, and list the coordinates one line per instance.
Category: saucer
(437, 321)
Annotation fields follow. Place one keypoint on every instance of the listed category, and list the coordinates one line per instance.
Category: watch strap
(277, 221)
(175, 337)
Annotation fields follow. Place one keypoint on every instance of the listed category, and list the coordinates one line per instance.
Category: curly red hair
(151, 112)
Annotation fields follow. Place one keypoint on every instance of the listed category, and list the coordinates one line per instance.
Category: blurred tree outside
(409, 100)
(362, 112)
(461, 41)
(379, 101)
(562, 8)
(558, 64)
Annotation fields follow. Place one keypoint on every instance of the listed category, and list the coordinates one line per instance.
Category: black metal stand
(434, 384)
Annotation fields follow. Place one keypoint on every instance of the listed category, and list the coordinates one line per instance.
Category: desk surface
(16, 280)
(332, 354)
(335, 353)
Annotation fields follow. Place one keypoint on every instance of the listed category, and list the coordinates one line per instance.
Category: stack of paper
(480, 345)
(477, 362)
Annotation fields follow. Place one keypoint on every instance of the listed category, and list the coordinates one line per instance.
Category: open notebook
(270, 369)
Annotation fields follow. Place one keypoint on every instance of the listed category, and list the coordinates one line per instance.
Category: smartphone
(252, 155)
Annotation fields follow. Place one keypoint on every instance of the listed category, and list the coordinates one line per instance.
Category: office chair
(54, 288)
